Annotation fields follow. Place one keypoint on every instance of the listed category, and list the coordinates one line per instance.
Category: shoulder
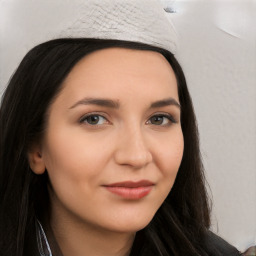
(218, 246)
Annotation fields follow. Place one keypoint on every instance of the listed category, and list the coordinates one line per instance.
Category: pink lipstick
(131, 190)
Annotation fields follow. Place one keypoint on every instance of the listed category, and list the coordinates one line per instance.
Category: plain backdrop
(217, 50)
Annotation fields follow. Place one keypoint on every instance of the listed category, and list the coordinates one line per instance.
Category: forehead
(122, 59)
(114, 72)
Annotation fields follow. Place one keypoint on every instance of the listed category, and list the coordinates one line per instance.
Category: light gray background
(217, 50)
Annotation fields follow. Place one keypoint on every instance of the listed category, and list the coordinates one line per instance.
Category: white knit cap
(142, 21)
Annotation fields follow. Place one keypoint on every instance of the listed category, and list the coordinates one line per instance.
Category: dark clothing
(217, 246)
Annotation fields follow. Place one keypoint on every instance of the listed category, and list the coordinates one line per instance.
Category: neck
(80, 238)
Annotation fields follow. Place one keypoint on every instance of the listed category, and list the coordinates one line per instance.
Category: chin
(131, 225)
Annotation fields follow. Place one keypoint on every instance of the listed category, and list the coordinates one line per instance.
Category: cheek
(169, 156)
(73, 160)
(172, 147)
(74, 168)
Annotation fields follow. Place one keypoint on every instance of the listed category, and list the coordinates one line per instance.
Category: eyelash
(170, 118)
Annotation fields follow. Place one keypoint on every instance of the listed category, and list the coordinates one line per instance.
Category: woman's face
(113, 142)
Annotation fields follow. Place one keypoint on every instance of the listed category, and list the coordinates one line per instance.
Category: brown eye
(93, 119)
(158, 120)
(161, 120)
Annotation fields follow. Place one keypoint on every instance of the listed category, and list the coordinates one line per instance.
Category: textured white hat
(133, 20)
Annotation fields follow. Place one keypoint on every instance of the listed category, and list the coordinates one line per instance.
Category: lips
(130, 189)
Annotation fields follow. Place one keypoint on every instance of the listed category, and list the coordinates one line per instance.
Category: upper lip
(131, 184)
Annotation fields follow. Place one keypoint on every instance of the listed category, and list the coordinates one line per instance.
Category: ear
(35, 159)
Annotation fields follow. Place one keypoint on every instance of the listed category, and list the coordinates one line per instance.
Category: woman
(100, 154)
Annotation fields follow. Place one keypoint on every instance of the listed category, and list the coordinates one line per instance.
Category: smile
(131, 190)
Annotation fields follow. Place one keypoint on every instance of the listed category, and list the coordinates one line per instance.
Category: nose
(132, 149)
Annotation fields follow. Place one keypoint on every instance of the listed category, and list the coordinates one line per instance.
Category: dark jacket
(219, 247)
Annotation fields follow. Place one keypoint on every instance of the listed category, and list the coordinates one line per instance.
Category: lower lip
(130, 193)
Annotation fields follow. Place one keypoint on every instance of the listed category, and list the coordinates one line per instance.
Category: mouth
(130, 189)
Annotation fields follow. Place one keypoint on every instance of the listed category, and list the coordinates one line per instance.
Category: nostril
(136, 157)
(135, 161)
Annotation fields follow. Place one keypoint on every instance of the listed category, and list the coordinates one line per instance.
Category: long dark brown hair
(178, 227)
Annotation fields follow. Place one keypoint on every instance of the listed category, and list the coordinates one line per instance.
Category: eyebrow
(96, 101)
(115, 104)
(165, 102)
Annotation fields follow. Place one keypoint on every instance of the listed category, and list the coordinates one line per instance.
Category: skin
(126, 144)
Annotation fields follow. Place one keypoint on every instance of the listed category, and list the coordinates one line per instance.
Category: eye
(93, 119)
(161, 120)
